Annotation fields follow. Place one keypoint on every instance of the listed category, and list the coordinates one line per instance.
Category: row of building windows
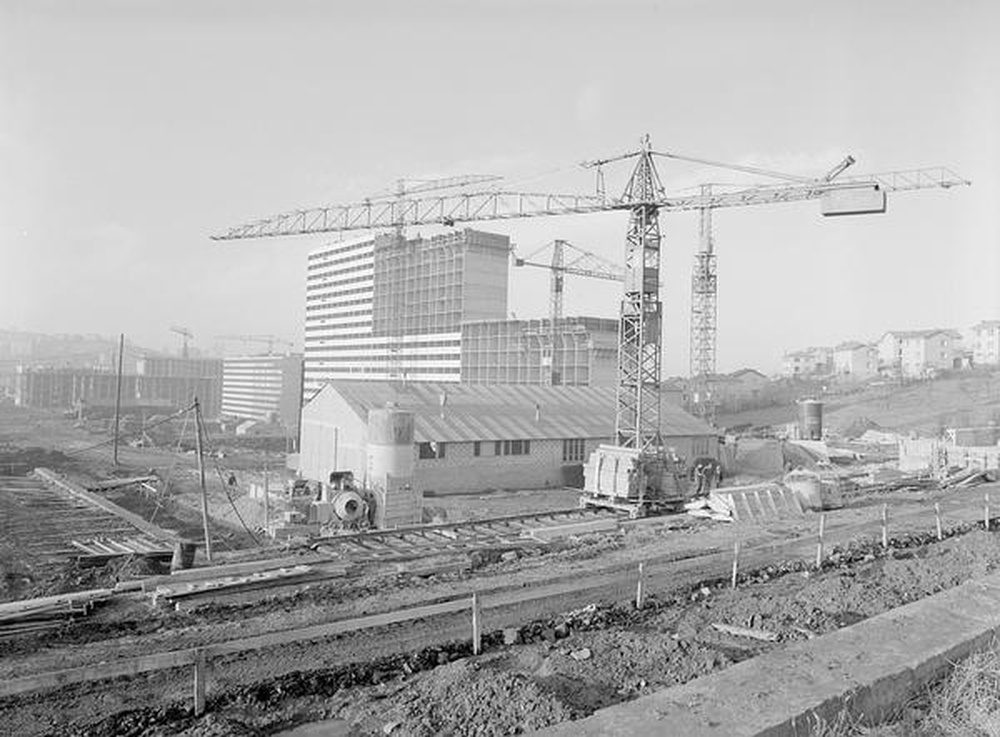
(430, 450)
(320, 265)
(405, 345)
(504, 448)
(318, 323)
(338, 325)
(365, 246)
(326, 296)
(409, 371)
(325, 276)
(334, 284)
(406, 358)
(335, 309)
(573, 450)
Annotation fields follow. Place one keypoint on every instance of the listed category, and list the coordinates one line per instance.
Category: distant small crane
(581, 263)
(271, 340)
(186, 334)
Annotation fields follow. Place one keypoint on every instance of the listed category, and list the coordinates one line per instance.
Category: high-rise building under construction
(389, 307)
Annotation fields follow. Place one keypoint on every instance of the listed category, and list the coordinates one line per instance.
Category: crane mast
(704, 289)
(584, 264)
(634, 473)
(637, 419)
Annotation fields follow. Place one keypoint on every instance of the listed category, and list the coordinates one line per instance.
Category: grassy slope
(960, 400)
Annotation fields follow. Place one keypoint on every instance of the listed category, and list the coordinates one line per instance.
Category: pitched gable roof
(468, 412)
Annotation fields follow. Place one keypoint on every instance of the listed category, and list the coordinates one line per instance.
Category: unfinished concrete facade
(579, 351)
(389, 307)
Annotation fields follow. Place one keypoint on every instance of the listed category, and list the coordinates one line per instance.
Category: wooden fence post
(819, 541)
(199, 682)
(476, 634)
(736, 563)
(640, 594)
(937, 521)
(885, 525)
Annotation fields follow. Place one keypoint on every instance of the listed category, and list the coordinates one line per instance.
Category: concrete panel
(866, 668)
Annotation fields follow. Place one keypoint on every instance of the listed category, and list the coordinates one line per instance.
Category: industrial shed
(475, 437)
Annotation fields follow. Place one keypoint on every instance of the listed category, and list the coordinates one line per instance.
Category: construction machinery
(581, 263)
(186, 335)
(637, 472)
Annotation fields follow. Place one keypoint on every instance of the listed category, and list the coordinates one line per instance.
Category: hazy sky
(130, 131)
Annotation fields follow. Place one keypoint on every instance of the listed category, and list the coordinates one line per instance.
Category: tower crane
(581, 263)
(704, 276)
(634, 473)
(186, 335)
(271, 340)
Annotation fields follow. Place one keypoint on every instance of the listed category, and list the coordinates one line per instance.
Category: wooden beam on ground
(54, 479)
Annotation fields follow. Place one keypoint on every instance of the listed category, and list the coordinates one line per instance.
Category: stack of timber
(99, 551)
(30, 616)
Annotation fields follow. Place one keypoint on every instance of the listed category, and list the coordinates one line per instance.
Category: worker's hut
(476, 437)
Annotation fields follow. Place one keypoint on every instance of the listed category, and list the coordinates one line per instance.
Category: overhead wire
(225, 487)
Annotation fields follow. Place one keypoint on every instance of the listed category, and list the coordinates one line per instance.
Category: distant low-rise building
(173, 366)
(917, 353)
(855, 361)
(74, 388)
(986, 343)
(814, 361)
(266, 388)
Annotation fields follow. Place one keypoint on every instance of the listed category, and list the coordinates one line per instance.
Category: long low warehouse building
(471, 438)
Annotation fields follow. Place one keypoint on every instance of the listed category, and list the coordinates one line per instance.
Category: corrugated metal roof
(469, 412)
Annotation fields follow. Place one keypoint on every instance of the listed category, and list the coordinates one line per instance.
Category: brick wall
(460, 470)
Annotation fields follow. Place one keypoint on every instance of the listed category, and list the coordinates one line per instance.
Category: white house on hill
(920, 352)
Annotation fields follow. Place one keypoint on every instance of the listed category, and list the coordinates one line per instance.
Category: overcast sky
(130, 131)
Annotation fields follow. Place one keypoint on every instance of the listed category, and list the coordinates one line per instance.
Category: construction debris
(756, 634)
(37, 615)
(755, 503)
(98, 551)
(968, 477)
(117, 483)
(208, 589)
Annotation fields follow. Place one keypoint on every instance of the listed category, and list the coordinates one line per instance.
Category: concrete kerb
(867, 669)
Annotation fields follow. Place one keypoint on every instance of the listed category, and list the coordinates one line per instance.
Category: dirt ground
(407, 680)
(560, 668)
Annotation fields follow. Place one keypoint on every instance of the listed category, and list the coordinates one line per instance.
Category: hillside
(964, 399)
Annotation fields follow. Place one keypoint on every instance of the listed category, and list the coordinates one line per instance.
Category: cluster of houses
(903, 353)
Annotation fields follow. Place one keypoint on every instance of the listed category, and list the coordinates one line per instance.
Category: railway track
(437, 539)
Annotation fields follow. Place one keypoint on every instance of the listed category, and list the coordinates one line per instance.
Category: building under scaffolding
(389, 307)
(580, 351)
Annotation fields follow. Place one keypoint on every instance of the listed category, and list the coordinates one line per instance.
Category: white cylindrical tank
(390, 445)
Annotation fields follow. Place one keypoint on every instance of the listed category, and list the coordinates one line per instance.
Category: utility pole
(201, 479)
(118, 391)
(267, 498)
